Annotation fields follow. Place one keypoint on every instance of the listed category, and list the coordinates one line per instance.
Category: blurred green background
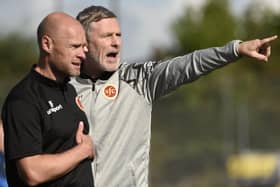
(196, 128)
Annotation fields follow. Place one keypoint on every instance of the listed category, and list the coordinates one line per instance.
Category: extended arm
(155, 79)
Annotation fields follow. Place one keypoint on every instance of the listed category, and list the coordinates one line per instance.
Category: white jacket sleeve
(155, 79)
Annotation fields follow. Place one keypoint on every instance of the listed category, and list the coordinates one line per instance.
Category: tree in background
(17, 54)
(230, 110)
(263, 101)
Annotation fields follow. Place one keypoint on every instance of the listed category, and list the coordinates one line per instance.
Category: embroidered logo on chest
(53, 108)
(79, 102)
(110, 91)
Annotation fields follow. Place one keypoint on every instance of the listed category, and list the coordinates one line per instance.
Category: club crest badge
(79, 103)
(110, 91)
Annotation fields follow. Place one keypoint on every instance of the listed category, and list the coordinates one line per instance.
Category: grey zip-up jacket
(119, 110)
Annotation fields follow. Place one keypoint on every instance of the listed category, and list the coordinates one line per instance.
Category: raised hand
(258, 49)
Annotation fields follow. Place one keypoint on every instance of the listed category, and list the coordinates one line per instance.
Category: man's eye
(76, 46)
(107, 35)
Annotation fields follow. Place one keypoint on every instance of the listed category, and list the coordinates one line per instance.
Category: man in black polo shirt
(46, 141)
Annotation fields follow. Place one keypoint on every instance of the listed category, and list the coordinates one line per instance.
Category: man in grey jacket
(118, 98)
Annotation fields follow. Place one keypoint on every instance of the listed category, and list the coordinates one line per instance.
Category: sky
(144, 23)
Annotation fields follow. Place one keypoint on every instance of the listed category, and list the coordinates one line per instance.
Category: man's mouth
(76, 64)
(112, 55)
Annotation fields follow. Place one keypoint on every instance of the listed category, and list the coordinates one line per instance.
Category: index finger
(269, 39)
(81, 126)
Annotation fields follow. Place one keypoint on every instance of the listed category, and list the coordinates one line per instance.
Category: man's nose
(83, 52)
(116, 41)
(85, 49)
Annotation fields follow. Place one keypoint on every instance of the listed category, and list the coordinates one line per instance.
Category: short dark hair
(94, 14)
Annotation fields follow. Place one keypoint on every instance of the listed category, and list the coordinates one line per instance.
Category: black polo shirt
(41, 116)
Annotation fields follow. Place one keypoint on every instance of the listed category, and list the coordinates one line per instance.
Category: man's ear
(47, 43)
